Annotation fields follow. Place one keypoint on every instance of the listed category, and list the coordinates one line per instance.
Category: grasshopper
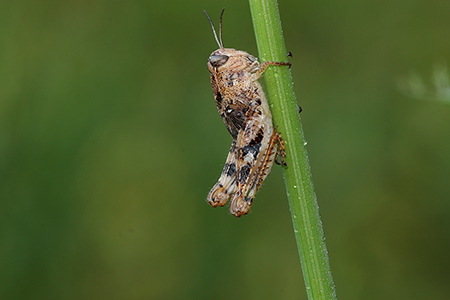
(243, 107)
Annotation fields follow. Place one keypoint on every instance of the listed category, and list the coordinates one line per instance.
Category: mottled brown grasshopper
(244, 109)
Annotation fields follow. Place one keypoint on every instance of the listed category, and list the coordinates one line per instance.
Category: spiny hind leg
(267, 163)
(243, 198)
(226, 185)
(251, 145)
(249, 180)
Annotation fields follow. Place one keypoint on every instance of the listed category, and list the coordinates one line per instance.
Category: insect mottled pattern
(244, 109)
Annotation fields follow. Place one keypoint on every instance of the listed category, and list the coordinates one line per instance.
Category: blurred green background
(110, 141)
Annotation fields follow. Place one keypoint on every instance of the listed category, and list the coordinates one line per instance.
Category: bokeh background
(110, 141)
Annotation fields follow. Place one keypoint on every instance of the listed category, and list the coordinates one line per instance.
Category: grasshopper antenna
(220, 34)
(219, 42)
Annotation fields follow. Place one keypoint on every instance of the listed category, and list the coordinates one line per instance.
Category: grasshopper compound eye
(218, 60)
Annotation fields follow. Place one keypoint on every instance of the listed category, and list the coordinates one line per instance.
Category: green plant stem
(299, 186)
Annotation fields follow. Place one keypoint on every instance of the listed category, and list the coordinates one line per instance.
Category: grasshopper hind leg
(242, 200)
